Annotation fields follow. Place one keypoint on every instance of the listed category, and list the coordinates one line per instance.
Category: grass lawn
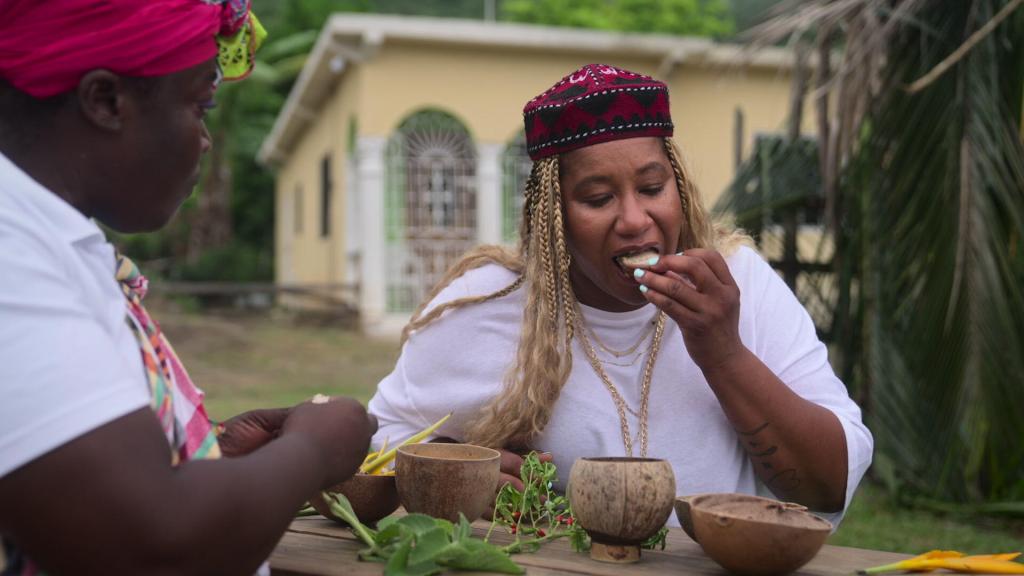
(258, 361)
(874, 521)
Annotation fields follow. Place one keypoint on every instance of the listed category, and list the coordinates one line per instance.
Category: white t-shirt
(458, 364)
(68, 361)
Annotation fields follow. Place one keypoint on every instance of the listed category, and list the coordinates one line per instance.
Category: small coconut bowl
(372, 498)
(442, 480)
(752, 536)
(621, 502)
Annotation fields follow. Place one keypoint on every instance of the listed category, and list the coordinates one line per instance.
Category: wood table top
(316, 546)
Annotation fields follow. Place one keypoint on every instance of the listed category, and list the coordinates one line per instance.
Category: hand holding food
(250, 430)
(699, 293)
(340, 429)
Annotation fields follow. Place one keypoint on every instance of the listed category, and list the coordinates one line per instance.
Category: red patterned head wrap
(46, 46)
(594, 104)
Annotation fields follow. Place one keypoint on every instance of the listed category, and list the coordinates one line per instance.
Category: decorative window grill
(430, 204)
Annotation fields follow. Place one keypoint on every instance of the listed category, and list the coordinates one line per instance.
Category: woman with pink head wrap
(108, 462)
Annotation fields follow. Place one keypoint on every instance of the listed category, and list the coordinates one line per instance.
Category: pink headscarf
(47, 45)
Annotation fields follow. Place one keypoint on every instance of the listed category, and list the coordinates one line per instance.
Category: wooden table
(316, 546)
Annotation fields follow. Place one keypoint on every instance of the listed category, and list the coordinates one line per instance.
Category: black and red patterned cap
(594, 104)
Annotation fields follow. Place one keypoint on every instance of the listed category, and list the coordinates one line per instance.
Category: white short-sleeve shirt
(458, 363)
(68, 361)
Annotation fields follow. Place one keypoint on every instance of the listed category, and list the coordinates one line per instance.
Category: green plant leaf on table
(470, 554)
(419, 545)
(541, 514)
(657, 541)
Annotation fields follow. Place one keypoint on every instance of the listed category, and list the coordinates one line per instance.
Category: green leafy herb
(537, 514)
(418, 545)
(656, 541)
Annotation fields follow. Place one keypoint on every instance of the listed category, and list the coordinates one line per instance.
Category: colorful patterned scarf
(177, 402)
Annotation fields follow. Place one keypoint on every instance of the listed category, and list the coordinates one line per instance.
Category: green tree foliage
(681, 17)
(928, 230)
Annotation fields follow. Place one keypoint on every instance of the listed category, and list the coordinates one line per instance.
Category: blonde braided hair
(544, 355)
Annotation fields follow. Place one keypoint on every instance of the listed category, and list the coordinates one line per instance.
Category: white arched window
(430, 204)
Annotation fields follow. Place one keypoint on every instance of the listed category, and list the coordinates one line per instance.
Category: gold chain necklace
(621, 353)
(645, 387)
(632, 362)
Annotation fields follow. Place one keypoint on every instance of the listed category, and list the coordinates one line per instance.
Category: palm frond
(927, 192)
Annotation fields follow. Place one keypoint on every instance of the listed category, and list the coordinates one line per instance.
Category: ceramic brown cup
(443, 480)
(621, 502)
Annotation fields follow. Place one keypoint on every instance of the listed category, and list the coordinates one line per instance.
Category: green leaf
(340, 505)
(483, 557)
(422, 569)
(399, 559)
(387, 521)
(429, 545)
(463, 530)
(446, 525)
(391, 532)
(418, 523)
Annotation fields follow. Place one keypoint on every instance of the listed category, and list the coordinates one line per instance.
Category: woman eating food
(627, 323)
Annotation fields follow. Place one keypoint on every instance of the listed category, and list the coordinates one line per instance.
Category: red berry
(513, 529)
(540, 533)
(569, 521)
(516, 515)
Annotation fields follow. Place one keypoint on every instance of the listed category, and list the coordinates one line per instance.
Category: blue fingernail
(638, 273)
(643, 288)
(653, 261)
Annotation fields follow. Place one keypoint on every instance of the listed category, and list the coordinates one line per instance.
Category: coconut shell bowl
(752, 536)
(372, 498)
(442, 480)
(621, 502)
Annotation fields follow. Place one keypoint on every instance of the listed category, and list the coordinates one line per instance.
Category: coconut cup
(372, 498)
(752, 536)
(621, 502)
(682, 506)
(442, 480)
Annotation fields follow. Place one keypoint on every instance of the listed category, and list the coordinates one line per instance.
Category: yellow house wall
(704, 101)
(484, 88)
(487, 88)
(314, 258)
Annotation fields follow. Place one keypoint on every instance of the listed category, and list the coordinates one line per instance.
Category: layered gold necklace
(645, 386)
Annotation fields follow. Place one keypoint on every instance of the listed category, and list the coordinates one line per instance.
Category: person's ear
(102, 97)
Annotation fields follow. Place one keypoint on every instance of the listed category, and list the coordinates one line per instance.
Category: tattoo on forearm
(784, 481)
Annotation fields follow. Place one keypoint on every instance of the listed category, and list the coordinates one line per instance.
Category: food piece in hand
(639, 259)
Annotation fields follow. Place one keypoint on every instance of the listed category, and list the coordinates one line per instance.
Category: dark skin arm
(250, 430)
(109, 501)
(797, 448)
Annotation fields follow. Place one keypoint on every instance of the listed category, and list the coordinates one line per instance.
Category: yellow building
(400, 145)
